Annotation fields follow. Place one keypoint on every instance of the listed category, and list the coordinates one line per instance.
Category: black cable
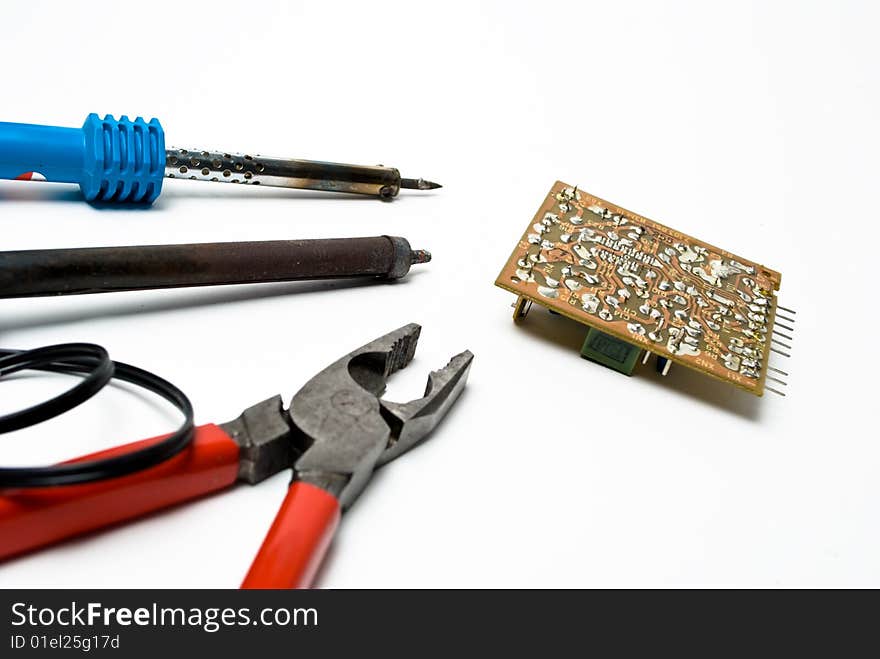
(94, 362)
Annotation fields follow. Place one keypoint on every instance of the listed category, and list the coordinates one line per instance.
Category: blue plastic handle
(111, 160)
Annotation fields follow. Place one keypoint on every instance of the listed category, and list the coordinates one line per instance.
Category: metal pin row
(789, 319)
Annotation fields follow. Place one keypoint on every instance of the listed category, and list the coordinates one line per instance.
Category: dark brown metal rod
(33, 273)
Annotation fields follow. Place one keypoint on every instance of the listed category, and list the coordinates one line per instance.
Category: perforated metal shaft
(222, 167)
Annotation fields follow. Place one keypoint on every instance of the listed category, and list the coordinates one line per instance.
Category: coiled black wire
(94, 362)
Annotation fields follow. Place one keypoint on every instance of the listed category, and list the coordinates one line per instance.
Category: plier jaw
(412, 422)
(347, 430)
(338, 428)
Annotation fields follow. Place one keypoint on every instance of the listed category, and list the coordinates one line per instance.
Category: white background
(752, 125)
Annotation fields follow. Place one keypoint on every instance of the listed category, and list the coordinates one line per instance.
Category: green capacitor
(610, 351)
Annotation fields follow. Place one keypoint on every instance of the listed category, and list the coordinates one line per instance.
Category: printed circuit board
(645, 284)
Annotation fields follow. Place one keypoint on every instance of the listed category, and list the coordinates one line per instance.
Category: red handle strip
(295, 545)
(35, 517)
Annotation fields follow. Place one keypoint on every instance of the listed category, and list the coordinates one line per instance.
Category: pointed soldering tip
(418, 184)
(420, 256)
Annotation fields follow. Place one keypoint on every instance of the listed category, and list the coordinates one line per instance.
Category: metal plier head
(345, 429)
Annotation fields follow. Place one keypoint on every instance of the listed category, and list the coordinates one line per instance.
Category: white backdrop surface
(751, 125)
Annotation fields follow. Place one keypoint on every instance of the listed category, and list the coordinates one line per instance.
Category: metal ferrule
(220, 167)
(263, 435)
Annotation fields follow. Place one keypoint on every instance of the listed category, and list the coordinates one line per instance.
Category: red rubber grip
(35, 517)
(295, 545)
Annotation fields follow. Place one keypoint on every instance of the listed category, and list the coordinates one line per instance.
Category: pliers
(335, 433)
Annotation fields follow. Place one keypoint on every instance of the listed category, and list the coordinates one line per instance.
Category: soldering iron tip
(420, 256)
(418, 184)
